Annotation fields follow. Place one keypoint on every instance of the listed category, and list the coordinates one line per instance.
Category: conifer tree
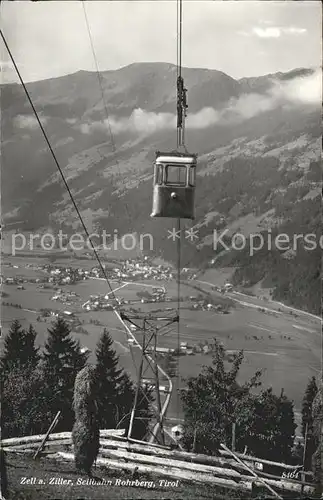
(284, 429)
(31, 352)
(310, 393)
(116, 392)
(126, 396)
(25, 409)
(317, 458)
(109, 377)
(62, 354)
(307, 420)
(12, 345)
(268, 431)
(86, 431)
(19, 348)
(62, 360)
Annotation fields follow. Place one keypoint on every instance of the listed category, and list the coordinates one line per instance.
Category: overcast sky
(50, 39)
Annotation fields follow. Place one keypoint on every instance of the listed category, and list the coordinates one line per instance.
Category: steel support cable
(81, 220)
(114, 149)
(67, 188)
(65, 183)
(99, 77)
(57, 164)
(179, 144)
(62, 176)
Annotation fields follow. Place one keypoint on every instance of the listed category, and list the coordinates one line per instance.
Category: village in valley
(60, 283)
(39, 289)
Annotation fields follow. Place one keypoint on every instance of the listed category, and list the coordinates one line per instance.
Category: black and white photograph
(161, 249)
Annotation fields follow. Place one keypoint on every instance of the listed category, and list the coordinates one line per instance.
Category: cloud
(300, 90)
(144, 122)
(203, 118)
(274, 31)
(294, 31)
(267, 32)
(305, 90)
(28, 121)
(247, 106)
(4, 65)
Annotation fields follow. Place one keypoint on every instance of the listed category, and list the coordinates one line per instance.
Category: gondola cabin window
(191, 176)
(159, 174)
(176, 175)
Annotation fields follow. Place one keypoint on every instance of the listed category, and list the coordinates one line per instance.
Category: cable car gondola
(174, 185)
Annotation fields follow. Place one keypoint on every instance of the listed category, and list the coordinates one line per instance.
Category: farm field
(45, 258)
(217, 277)
(286, 362)
(285, 346)
(28, 245)
(22, 272)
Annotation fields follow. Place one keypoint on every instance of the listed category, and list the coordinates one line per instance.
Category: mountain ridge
(253, 138)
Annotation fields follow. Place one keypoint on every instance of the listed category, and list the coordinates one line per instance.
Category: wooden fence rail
(116, 452)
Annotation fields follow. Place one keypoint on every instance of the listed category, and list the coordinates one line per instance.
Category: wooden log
(142, 460)
(180, 455)
(248, 458)
(280, 478)
(268, 483)
(112, 432)
(11, 449)
(104, 433)
(173, 472)
(164, 471)
(203, 469)
(48, 444)
(147, 459)
(217, 471)
(34, 439)
(287, 486)
(173, 454)
(223, 463)
(186, 457)
(51, 427)
(262, 481)
(143, 449)
(111, 449)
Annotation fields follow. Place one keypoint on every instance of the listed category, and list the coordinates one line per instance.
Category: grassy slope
(21, 466)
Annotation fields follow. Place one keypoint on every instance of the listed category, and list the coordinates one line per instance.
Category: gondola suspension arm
(181, 90)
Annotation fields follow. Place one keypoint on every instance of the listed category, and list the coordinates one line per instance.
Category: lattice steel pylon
(148, 328)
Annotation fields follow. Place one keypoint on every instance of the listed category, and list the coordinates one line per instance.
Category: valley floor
(284, 343)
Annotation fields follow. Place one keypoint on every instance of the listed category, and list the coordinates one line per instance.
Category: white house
(177, 432)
